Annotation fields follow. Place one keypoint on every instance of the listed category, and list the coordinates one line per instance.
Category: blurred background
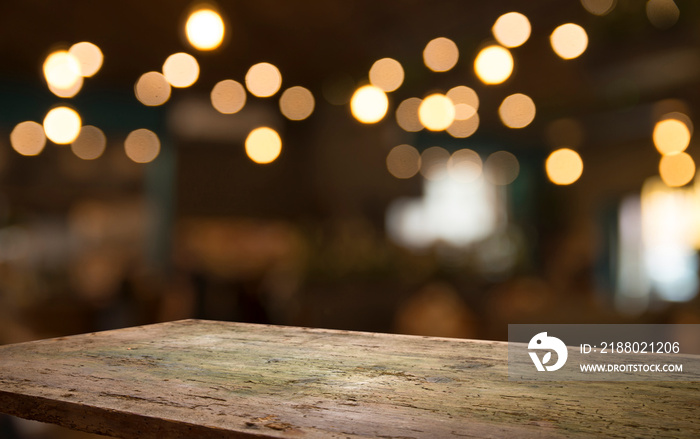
(440, 168)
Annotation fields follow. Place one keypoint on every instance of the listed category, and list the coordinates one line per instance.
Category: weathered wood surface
(201, 379)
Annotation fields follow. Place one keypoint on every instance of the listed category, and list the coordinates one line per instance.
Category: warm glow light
(671, 136)
(228, 96)
(68, 92)
(152, 89)
(493, 64)
(464, 111)
(407, 115)
(369, 104)
(181, 70)
(205, 29)
(436, 112)
(142, 146)
(569, 40)
(90, 144)
(263, 145)
(599, 7)
(403, 161)
(464, 128)
(62, 125)
(564, 166)
(662, 14)
(466, 101)
(465, 165)
(263, 80)
(387, 74)
(89, 57)
(434, 162)
(677, 169)
(440, 54)
(501, 168)
(297, 103)
(517, 111)
(512, 29)
(61, 70)
(28, 138)
(681, 117)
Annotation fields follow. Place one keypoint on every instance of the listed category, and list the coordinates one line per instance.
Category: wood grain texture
(208, 379)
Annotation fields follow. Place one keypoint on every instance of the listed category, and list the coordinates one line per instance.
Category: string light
(62, 125)
(142, 146)
(263, 80)
(387, 74)
(494, 64)
(512, 29)
(440, 54)
(181, 70)
(564, 166)
(228, 96)
(263, 145)
(369, 104)
(569, 41)
(205, 29)
(436, 112)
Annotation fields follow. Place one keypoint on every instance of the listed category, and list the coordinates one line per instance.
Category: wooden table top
(204, 379)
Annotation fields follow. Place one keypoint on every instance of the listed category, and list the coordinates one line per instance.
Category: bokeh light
(599, 7)
(440, 54)
(517, 111)
(512, 29)
(407, 115)
(90, 144)
(569, 41)
(181, 70)
(89, 57)
(461, 129)
(263, 80)
(152, 89)
(387, 74)
(67, 92)
(564, 166)
(297, 103)
(465, 165)
(205, 29)
(465, 100)
(684, 118)
(494, 64)
(436, 112)
(434, 162)
(263, 145)
(369, 104)
(61, 70)
(501, 168)
(62, 125)
(671, 136)
(403, 161)
(28, 138)
(142, 145)
(662, 14)
(228, 96)
(677, 170)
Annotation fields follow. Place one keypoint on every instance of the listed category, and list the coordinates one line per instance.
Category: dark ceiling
(629, 63)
